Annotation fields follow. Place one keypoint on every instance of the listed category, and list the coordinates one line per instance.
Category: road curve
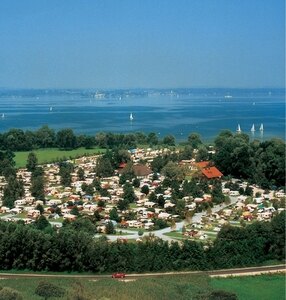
(224, 272)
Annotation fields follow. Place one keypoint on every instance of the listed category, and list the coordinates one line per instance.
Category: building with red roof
(202, 164)
(211, 172)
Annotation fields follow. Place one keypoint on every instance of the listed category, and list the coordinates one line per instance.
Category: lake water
(204, 111)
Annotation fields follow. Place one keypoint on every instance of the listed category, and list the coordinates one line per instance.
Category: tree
(66, 139)
(173, 171)
(202, 154)
(48, 290)
(80, 174)
(7, 293)
(136, 182)
(194, 140)
(113, 215)
(40, 208)
(65, 173)
(128, 193)
(109, 228)
(45, 137)
(38, 187)
(145, 189)
(152, 139)
(123, 204)
(32, 162)
(104, 167)
(169, 140)
(13, 190)
(42, 223)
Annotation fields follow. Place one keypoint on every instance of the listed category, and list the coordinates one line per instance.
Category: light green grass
(53, 154)
(264, 287)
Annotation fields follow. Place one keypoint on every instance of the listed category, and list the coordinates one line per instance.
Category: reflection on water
(205, 114)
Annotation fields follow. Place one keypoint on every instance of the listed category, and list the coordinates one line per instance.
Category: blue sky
(142, 43)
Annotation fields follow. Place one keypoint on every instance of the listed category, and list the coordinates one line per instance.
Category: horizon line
(138, 88)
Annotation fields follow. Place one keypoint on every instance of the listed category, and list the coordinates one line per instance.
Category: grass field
(179, 287)
(53, 154)
(264, 287)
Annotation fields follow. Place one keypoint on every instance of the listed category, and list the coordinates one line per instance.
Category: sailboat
(51, 108)
(131, 117)
(261, 127)
(238, 129)
(252, 128)
(3, 116)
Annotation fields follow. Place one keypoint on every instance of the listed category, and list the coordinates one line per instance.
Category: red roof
(122, 165)
(212, 172)
(202, 164)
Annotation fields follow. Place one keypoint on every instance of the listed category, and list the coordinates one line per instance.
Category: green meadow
(179, 287)
(53, 154)
(263, 287)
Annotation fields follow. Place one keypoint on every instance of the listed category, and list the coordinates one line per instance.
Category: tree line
(39, 247)
(45, 137)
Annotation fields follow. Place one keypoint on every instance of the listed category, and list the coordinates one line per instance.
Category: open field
(264, 287)
(169, 287)
(53, 154)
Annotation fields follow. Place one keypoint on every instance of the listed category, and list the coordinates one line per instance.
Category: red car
(118, 275)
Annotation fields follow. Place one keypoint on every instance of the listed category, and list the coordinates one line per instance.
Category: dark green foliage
(13, 190)
(42, 223)
(104, 167)
(169, 140)
(109, 228)
(65, 173)
(113, 215)
(31, 162)
(123, 204)
(66, 139)
(145, 189)
(194, 140)
(262, 163)
(7, 293)
(128, 193)
(38, 187)
(80, 174)
(222, 295)
(48, 290)
(136, 182)
(73, 248)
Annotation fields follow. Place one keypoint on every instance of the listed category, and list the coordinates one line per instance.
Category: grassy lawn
(53, 154)
(263, 287)
(178, 287)
(175, 234)
(133, 205)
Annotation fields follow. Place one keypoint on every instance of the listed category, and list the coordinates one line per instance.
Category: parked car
(118, 275)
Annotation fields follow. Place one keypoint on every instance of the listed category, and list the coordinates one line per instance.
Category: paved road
(161, 232)
(225, 272)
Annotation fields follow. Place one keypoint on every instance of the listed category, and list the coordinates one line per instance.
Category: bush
(222, 295)
(48, 290)
(7, 293)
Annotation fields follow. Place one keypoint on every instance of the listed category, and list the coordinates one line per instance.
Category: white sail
(51, 108)
(238, 128)
(131, 117)
(252, 128)
(3, 116)
(261, 127)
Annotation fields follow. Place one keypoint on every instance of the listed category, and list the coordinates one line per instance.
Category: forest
(39, 247)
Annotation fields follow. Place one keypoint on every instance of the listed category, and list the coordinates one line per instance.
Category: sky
(142, 43)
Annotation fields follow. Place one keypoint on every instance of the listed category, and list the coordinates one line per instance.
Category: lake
(206, 111)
